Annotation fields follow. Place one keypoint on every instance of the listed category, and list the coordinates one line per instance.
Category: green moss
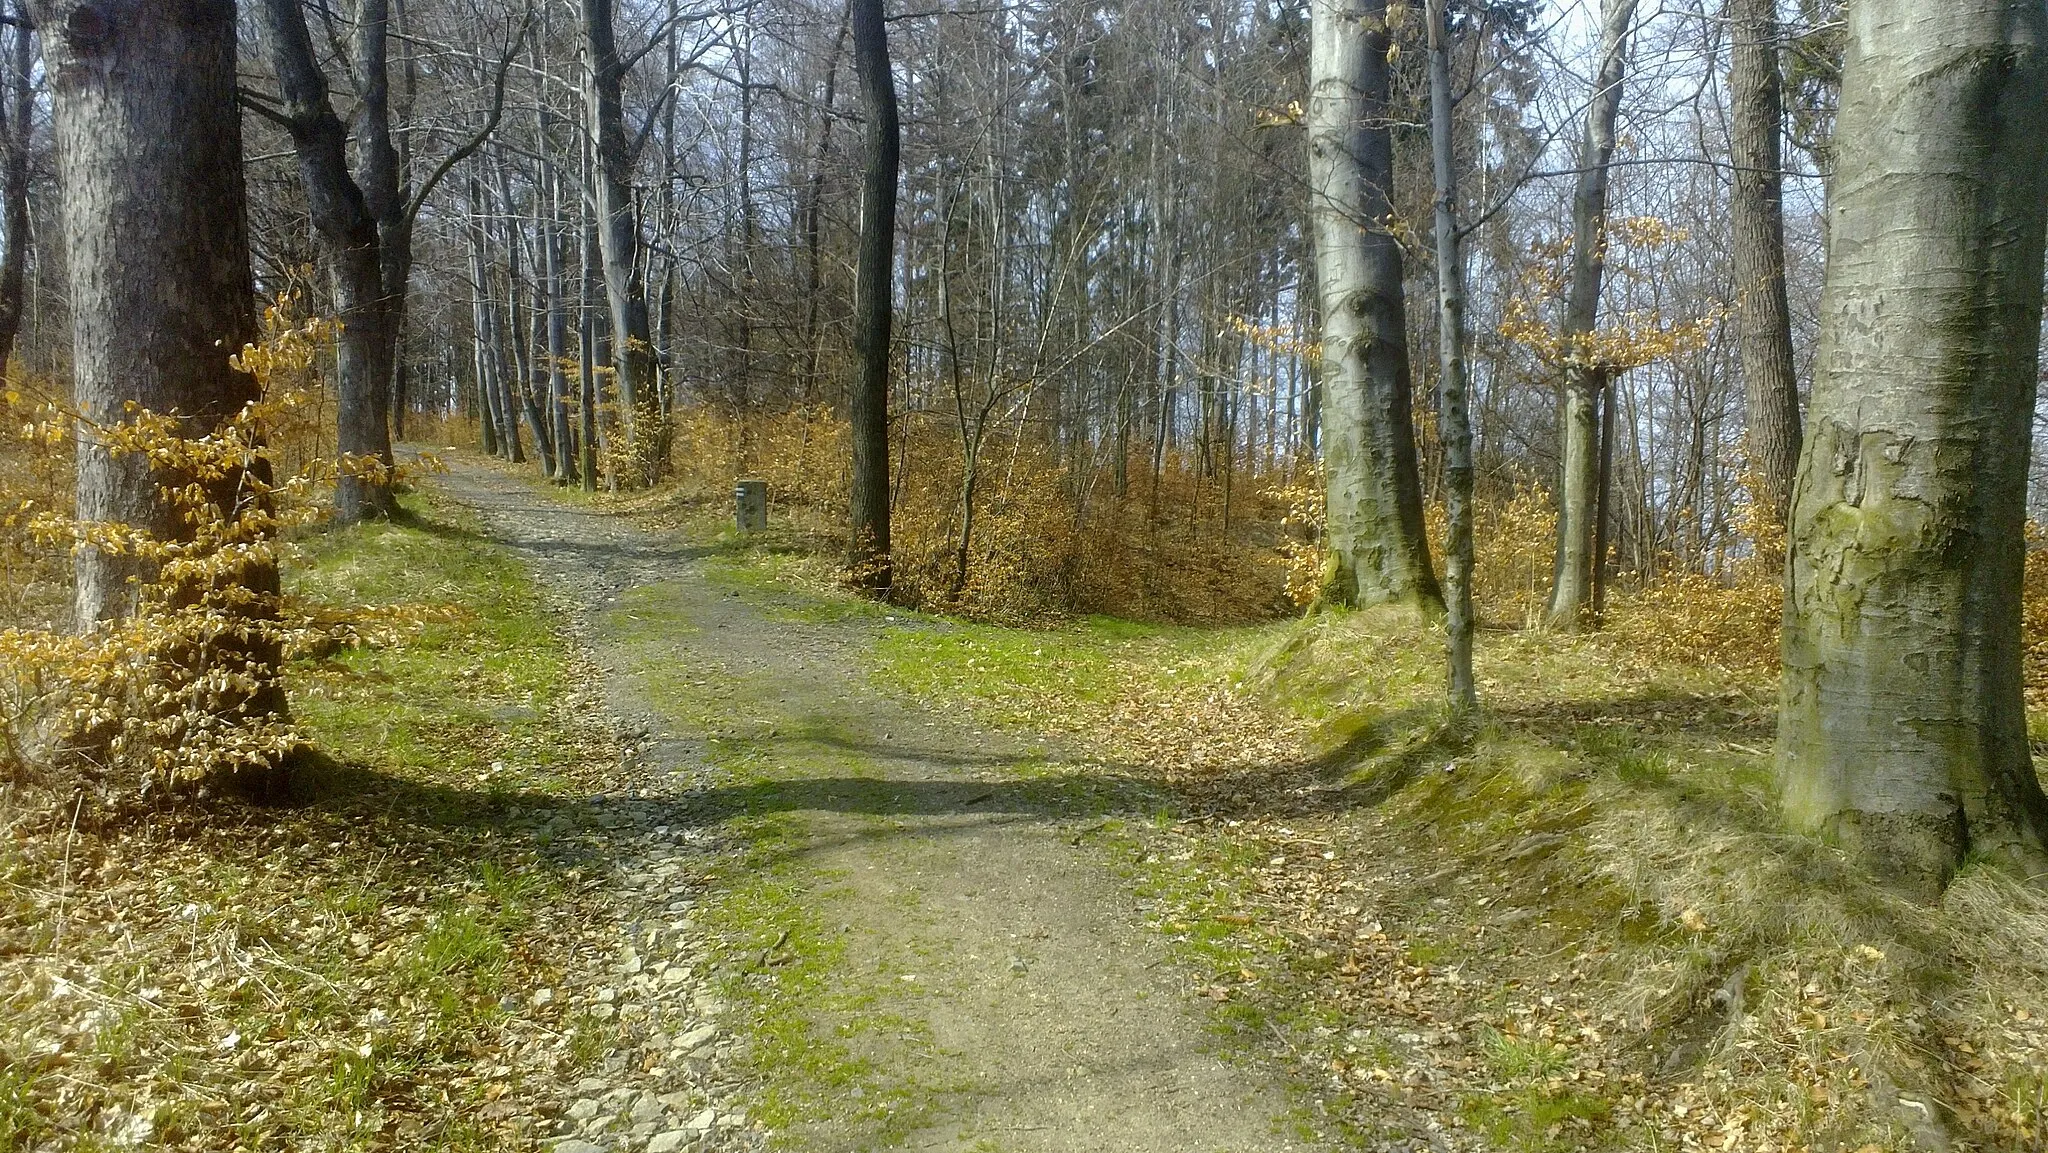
(804, 1012)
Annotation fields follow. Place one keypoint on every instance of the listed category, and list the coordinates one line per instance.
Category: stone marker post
(750, 504)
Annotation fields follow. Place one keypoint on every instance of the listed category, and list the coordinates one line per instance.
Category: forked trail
(984, 959)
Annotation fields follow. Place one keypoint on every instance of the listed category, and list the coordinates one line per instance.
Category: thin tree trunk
(1757, 210)
(1379, 553)
(1902, 728)
(813, 205)
(17, 110)
(558, 336)
(874, 303)
(1571, 582)
(1454, 418)
(586, 346)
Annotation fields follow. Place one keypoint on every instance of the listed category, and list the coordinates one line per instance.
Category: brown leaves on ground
(1570, 929)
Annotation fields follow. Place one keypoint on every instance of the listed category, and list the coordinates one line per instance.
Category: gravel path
(1032, 1011)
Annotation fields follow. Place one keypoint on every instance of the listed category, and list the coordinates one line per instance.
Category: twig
(64, 882)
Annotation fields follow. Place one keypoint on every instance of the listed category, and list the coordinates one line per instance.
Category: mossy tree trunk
(1902, 729)
(1379, 553)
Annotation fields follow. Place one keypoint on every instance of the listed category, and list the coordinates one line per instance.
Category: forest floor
(643, 835)
(930, 953)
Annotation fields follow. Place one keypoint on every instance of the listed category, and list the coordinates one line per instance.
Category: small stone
(668, 1142)
(703, 1121)
(590, 1085)
(584, 1110)
(579, 1145)
(697, 1038)
(646, 1109)
(543, 997)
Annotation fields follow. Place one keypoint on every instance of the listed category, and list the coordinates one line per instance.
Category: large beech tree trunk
(1757, 210)
(1901, 729)
(874, 299)
(1378, 551)
(1579, 417)
(149, 152)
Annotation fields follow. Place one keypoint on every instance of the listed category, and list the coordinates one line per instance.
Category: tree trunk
(349, 231)
(586, 337)
(17, 126)
(1757, 210)
(1378, 551)
(1454, 417)
(1902, 730)
(380, 174)
(557, 335)
(1578, 425)
(618, 228)
(149, 149)
(874, 303)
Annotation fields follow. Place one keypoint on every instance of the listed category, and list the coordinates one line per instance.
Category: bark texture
(1757, 211)
(618, 234)
(1902, 729)
(348, 229)
(17, 128)
(149, 159)
(874, 298)
(1454, 414)
(1378, 549)
(1578, 500)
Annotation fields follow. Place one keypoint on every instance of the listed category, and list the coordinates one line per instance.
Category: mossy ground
(1576, 922)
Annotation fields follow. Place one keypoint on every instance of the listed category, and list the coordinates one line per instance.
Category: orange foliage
(177, 690)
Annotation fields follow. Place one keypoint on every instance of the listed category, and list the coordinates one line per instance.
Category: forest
(626, 576)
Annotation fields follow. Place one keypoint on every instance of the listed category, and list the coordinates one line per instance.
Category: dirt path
(984, 961)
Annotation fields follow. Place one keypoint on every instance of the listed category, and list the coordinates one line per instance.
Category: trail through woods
(974, 949)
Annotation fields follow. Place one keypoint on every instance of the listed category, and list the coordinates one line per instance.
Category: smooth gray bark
(1757, 211)
(1902, 729)
(342, 215)
(1579, 415)
(1378, 549)
(618, 233)
(1454, 416)
(149, 160)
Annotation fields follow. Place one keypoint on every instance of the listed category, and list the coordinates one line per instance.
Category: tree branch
(469, 147)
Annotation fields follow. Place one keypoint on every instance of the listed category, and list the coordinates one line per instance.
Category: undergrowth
(358, 967)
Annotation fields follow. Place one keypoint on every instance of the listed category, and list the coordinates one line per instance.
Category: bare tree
(874, 298)
(1578, 497)
(1757, 124)
(149, 147)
